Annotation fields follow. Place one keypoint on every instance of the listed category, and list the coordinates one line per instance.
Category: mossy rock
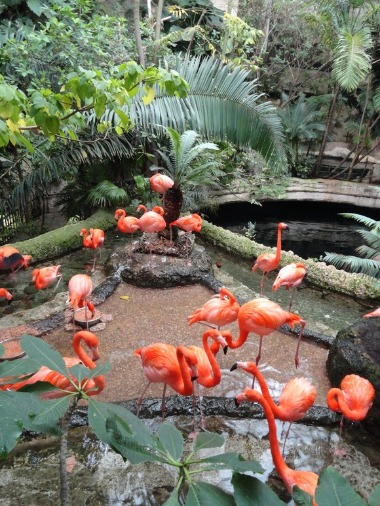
(63, 240)
(319, 274)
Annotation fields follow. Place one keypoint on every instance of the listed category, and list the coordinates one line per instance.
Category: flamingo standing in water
(90, 387)
(80, 288)
(11, 259)
(296, 398)
(267, 262)
(353, 399)
(262, 317)
(290, 276)
(160, 183)
(220, 310)
(164, 363)
(93, 240)
(127, 224)
(305, 480)
(46, 276)
(191, 223)
(4, 294)
(372, 314)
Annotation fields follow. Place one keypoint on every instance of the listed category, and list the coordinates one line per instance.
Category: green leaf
(52, 124)
(173, 499)
(10, 425)
(80, 372)
(374, 498)
(232, 461)
(208, 440)
(302, 497)
(36, 6)
(53, 411)
(204, 494)
(44, 354)
(19, 367)
(334, 489)
(250, 491)
(172, 439)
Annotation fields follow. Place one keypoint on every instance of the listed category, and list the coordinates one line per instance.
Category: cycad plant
(368, 261)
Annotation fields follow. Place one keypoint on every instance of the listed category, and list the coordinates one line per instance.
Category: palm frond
(365, 220)
(367, 252)
(354, 264)
(106, 194)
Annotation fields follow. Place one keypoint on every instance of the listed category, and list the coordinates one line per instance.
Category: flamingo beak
(194, 378)
(9, 301)
(235, 366)
(225, 349)
(95, 354)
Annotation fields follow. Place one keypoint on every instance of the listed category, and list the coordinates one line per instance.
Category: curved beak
(234, 367)
(225, 349)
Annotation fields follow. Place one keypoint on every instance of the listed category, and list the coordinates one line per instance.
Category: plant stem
(64, 486)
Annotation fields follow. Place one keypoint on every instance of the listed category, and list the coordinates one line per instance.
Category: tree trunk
(172, 203)
(136, 21)
(157, 38)
(329, 120)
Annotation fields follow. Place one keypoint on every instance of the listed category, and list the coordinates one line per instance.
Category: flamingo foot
(296, 362)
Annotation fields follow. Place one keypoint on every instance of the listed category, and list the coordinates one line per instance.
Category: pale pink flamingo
(222, 309)
(290, 276)
(160, 183)
(80, 289)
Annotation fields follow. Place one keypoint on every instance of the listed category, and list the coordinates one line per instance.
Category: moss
(65, 239)
(319, 274)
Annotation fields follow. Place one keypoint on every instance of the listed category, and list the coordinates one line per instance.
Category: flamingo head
(83, 232)
(250, 367)
(283, 226)
(95, 353)
(141, 207)
(240, 398)
(26, 260)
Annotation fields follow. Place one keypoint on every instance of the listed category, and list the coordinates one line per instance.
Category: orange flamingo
(305, 480)
(46, 276)
(353, 399)
(151, 222)
(80, 288)
(127, 224)
(297, 396)
(220, 310)
(94, 239)
(263, 317)
(190, 223)
(164, 363)
(11, 259)
(4, 294)
(160, 183)
(290, 276)
(90, 387)
(374, 313)
(267, 262)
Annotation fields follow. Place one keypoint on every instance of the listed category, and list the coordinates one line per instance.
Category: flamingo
(220, 310)
(160, 183)
(151, 222)
(11, 259)
(263, 317)
(374, 313)
(173, 366)
(190, 223)
(93, 240)
(267, 262)
(4, 294)
(296, 398)
(353, 399)
(305, 480)
(90, 387)
(127, 224)
(290, 276)
(80, 288)
(46, 276)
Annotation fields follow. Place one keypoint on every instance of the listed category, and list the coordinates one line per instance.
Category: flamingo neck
(185, 357)
(265, 390)
(337, 402)
(213, 380)
(243, 334)
(278, 249)
(79, 350)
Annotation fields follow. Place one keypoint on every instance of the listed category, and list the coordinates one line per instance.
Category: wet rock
(356, 350)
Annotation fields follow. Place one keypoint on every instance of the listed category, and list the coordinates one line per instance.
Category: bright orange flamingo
(46, 276)
(127, 224)
(262, 317)
(190, 223)
(374, 313)
(297, 396)
(305, 480)
(164, 363)
(90, 387)
(80, 288)
(353, 399)
(11, 259)
(160, 183)
(4, 294)
(94, 239)
(151, 222)
(220, 310)
(290, 276)
(267, 262)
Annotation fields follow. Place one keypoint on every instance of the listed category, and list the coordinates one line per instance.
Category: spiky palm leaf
(369, 261)
(105, 194)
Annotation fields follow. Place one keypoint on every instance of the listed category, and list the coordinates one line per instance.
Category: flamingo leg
(291, 298)
(85, 313)
(286, 437)
(259, 354)
(57, 285)
(188, 262)
(339, 450)
(296, 359)
(262, 284)
(141, 398)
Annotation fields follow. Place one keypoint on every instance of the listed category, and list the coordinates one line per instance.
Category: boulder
(356, 350)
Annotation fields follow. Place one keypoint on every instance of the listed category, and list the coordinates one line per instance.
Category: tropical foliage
(368, 261)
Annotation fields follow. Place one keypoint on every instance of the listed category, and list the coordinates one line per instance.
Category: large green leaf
(10, 425)
(334, 490)
(19, 367)
(172, 439)
(99, 412)
(80, 372)
(53, 411)
(250, 491)
(208, 440)
(232, 461)
(44, 354)
(204, 494)
(173, 499)
(301, 497)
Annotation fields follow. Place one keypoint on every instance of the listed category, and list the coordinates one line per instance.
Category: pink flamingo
(11, 259)
(267, 262)
(151, 222)
(262, 317)
(190, 223)
(4, 294)
(290, 276)
(372, 314)
(46, 276)
(127, 224)
(80, 288)
(220, 310)
(160, 183)
(93, 240)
